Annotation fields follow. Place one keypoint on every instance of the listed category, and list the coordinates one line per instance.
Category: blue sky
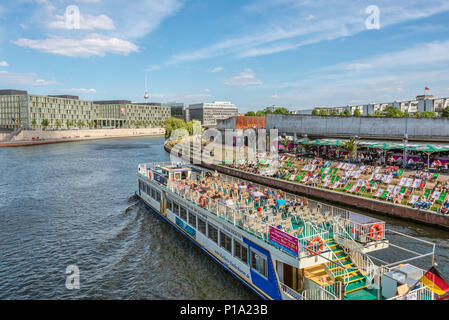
(255, 53)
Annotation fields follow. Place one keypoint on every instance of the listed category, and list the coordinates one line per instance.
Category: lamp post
(405, 140)
(356, 138)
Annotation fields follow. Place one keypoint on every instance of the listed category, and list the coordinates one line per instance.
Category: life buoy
(375, 232)
(312, 243)
(150, 175)
(202, 201)
(354, 230)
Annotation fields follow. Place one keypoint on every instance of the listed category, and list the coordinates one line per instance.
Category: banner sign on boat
(284, 240)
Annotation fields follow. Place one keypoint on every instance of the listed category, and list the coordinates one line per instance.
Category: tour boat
(292, 249)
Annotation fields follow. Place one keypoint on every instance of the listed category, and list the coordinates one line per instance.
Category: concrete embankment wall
(420, 129)
(361, 203)
(88, 134)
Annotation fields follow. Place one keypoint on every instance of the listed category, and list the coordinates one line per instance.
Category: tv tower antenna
(146, 91)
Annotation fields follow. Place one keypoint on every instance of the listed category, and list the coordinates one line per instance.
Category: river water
(73, 204)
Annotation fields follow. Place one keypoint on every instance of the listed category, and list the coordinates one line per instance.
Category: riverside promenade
(25, 137)
(336, 197)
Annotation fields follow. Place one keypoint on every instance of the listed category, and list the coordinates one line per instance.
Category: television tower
(146, 91)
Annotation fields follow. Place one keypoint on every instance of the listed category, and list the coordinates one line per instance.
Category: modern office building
(177, 110)
(19, 109)
(209, 113)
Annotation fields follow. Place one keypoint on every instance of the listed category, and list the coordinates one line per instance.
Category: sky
(297, 54)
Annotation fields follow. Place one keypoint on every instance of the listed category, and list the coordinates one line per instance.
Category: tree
(285, 142)
(425, 114)
(445, 113)
(357, 113)
(346, 113)
(393, 112)
(315, 112)
(324, 112)
(58, 124)
(281, 111)
(33, 123)
(350, 146)
(45, 123)
(250, 114)
(69, 123)
(80, 123)
(260, 113)
(171, 124)
(334, 113)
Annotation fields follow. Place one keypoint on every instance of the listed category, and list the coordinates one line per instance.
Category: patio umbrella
(281, 202)
(384, 146)
(429, 149)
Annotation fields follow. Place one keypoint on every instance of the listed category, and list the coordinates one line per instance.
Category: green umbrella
(429, 148)
(384, 146)
(324, 142)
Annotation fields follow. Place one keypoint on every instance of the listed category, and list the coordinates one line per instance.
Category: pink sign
(283, 239)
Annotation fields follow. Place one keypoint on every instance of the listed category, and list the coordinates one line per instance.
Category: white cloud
(4, 64)
(206, 90)
(91, 45)
(245, 78)
(79, 90)
(275, 96)
(23, 79)
(217, 69)
(288, 25)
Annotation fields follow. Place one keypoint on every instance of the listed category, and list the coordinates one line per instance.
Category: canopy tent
(383, 146)
(429, 149)
(324, 142)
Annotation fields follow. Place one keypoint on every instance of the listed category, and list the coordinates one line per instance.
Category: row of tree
(390, 111)
(263, 113)
(171, 124)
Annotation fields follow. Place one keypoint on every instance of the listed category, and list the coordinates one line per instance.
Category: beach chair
(427, 193)
(354, 187)
(403, 182)
(402, 191)
(362, 190)
(435, 176)
(379, 193)
(436, 195)
(442, 197)
(413, 199)
(348, 186)
(396, 189)
(400, 172)
(384, 195)
(416, 183)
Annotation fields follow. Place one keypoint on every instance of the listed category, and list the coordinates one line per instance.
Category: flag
(435, 282)
(427, 89)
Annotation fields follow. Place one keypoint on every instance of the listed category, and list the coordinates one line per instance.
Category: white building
(209, 113)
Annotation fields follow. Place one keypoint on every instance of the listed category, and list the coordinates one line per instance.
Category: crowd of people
(419, 189)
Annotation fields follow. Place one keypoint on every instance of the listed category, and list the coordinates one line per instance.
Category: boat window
(192, 219)
(153, 195)
(169, 205)
(183, 214)
(201, 226)
(241, 251)
(158, 196)
(226, 242)
(212, 233)
(259, 262)
(140, 185)
(175, 208)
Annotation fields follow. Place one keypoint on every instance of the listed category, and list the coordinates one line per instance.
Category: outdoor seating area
(420, 189)
(255, 208)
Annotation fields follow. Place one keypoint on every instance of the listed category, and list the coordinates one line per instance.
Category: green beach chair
(348, 186)
(442, 197)
(427, 193)
(384, 195)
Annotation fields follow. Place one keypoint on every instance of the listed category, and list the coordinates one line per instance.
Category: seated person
(445, 207)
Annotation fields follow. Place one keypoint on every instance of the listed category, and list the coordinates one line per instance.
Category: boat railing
(422, 293)
(330, 292)
(355, 251)
(293, 294)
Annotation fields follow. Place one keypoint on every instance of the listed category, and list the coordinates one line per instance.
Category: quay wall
(361, 203)
(417, 129)
(87, 134)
